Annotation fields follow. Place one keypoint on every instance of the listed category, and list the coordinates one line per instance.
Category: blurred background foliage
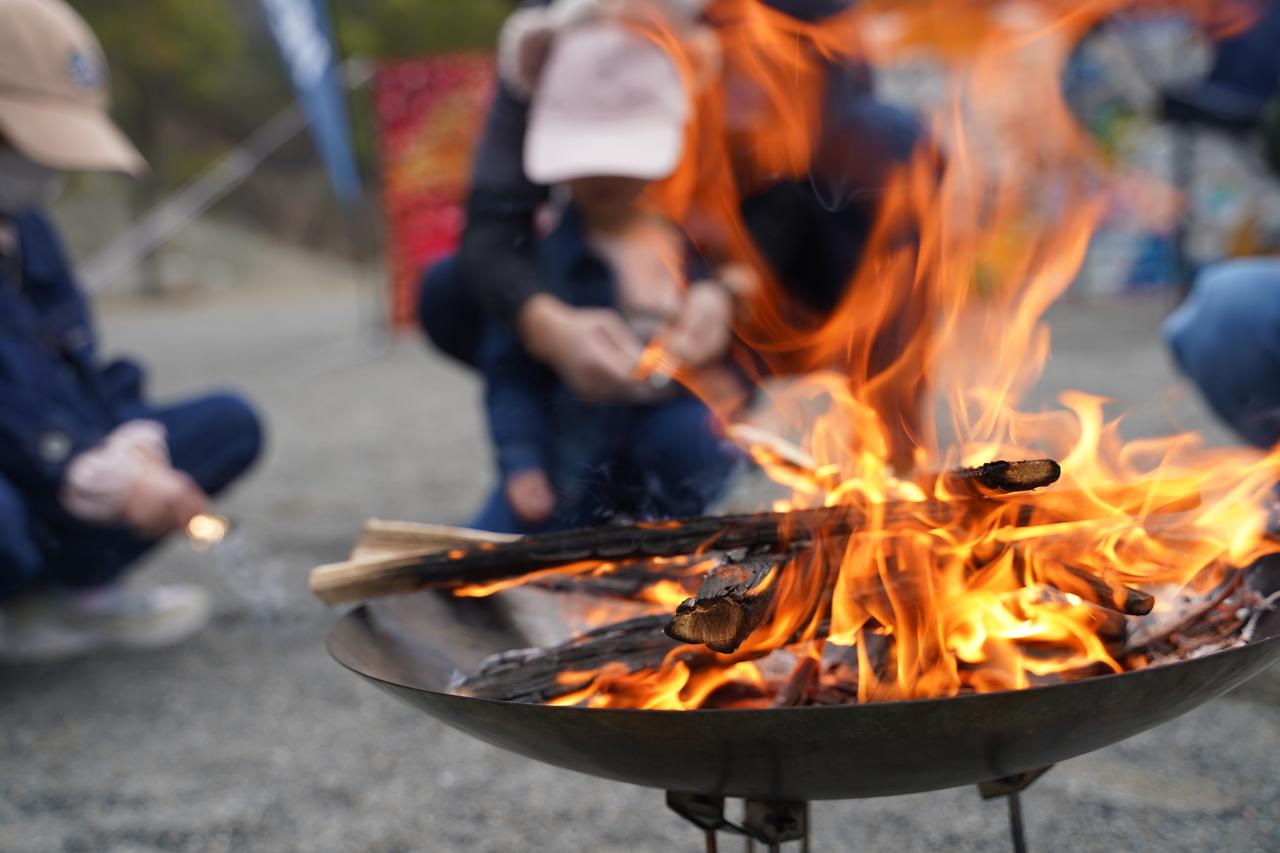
(192, 78)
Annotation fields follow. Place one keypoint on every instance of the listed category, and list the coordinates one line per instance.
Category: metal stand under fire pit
(770, 823)
(776, 823)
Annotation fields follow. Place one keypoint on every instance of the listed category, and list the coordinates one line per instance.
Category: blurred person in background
(1226, 335)
(608, 120)
(92, 475)
(809, 231)
(1226, 338)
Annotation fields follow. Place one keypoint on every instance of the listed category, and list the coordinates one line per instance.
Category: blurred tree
(415, 27)
(191, 78)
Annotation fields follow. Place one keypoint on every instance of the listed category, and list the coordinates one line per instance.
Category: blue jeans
(658, 461)
(1226, 339)
(215, 439)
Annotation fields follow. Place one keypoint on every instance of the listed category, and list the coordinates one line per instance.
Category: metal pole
(1015, 823)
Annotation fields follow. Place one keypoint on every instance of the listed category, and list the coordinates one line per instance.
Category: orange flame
(923, 365)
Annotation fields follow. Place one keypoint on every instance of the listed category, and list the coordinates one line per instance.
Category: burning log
(1102, 590)
(628, 581)
(544, 675)
(731, 603)
(492, 561)
(1002, 478)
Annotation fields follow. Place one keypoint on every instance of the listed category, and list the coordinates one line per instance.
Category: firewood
(1002, 478)
(1109, 626)
(627, 581)
(731, 603)
(1103, 590)
(785, 460)
(543, 675)
(381, 538)
(488, 562)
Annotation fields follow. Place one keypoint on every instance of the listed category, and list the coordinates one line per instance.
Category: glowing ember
(205, 530)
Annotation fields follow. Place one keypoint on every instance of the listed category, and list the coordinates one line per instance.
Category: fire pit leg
(774, 824)
(770, 823)
(706, 813)
(1011, 788)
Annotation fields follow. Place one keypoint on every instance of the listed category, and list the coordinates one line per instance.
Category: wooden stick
(1103, 590)
(627, 581)
(381, 538)
(731, 603)
(488, 562)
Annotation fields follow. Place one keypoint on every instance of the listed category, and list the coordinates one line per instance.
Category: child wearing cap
(608, 119)
(92, 473)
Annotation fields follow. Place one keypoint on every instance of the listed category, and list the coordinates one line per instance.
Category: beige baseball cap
(608, 102)
(53, 90)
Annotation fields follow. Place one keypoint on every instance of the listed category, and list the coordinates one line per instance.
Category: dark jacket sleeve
(497, 255)
(37, 442)
(518, 394)
(54, 403)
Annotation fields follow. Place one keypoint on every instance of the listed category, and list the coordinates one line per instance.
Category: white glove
(98, 482)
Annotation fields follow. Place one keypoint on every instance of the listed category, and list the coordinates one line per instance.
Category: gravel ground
(250, 738)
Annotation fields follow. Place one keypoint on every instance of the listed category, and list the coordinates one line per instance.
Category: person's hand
(701, 333)
(530, 495)
(163, 500)
(592, 349)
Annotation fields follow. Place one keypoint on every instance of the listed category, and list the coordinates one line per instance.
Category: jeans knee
(1233, 309)
(448, 313)
(241, 427)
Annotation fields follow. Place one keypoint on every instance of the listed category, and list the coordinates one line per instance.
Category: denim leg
(681, 460)
(450, 317)
(1226, 339)
(214, 438)
(20, 560)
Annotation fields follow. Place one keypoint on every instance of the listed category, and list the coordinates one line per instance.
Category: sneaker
(57, 626)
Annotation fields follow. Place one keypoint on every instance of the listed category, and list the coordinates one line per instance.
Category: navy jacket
(523, 398)
(56, 397)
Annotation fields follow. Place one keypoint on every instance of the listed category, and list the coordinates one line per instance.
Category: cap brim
(561, 149)
(67, 136)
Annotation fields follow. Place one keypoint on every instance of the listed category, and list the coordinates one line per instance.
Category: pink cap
(609, 102)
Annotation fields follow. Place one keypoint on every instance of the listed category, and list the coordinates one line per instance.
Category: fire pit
(778, 758)
(466, 665)
(916, 614)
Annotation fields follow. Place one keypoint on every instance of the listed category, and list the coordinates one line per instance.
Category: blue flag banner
(304, 33)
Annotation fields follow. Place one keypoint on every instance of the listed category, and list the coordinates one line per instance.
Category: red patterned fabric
(430, 113)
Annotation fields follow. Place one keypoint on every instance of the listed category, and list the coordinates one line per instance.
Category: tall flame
(922, 365)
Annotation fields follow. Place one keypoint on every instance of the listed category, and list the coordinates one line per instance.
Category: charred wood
(731, 603)
(1103, 590)
(1002, 478)
(585, 548)
(542, 675)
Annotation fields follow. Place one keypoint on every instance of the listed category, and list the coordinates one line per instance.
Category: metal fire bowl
(412, 647)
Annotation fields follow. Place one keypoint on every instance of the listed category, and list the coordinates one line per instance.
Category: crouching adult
(92, 473)
(1226, 339)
